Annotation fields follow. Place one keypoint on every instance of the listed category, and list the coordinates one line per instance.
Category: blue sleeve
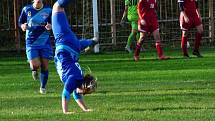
(65, 94)
(22, 17)
(76, 96)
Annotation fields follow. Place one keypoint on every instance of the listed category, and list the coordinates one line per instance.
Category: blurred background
(112, 35)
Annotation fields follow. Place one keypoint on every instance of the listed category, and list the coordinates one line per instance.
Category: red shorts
(151, 25)
(194, 21)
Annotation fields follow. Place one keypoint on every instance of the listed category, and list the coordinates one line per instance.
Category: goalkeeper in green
(132, 15)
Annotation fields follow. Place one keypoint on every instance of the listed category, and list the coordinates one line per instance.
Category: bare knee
(35, 64)
(184, 33)
(57, 8)
(142, 37)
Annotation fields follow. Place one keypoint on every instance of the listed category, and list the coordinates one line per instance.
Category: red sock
(197, 41)
(184, 45)
(137, 49)
(159, 49)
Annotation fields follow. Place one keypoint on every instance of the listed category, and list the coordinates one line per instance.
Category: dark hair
(88, 78)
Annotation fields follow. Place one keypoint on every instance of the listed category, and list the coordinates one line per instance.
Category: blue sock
(85, 43)
(44, 78)
(64, 3)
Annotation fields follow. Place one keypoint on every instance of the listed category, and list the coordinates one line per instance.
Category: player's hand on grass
(24, 26)
(87, 110)
(68, 113)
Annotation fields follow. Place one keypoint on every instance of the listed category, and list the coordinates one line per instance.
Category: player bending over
(67, 53)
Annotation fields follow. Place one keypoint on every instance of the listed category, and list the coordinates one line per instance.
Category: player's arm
(78, 98)
(77, 95)
(48, 25)
(65, 101)
(124, 14)
(87, 87)
(182, 12)
(141, 11)
(22, 22)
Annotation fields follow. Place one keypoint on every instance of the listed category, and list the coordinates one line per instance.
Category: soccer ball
(188, 44)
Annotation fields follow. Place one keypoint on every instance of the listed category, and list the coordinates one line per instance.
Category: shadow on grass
(168, 108)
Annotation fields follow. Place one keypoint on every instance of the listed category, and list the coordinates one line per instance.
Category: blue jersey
(36, 34)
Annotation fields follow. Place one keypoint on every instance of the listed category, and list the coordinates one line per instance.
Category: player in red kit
(148, 23)
(190, 18)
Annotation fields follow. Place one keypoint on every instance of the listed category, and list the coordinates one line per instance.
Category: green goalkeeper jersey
(132, 10)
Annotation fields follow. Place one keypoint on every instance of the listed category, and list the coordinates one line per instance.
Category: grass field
(149, 90)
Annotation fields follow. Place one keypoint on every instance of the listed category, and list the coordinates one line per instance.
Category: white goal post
(95, 24)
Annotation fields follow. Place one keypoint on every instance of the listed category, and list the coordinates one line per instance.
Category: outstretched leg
(64, 3)
(59, 20)
(86, 44)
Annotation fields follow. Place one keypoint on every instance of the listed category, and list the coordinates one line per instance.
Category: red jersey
(190, 9)
(189, 5)
(147, 8)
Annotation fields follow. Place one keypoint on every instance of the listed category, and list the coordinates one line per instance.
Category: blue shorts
(46, 53)
(69, 70)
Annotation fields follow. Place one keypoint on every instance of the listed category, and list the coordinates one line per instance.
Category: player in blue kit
(67, 53)
(35, 20)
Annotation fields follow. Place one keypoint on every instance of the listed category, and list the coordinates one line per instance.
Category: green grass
(149, 90)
